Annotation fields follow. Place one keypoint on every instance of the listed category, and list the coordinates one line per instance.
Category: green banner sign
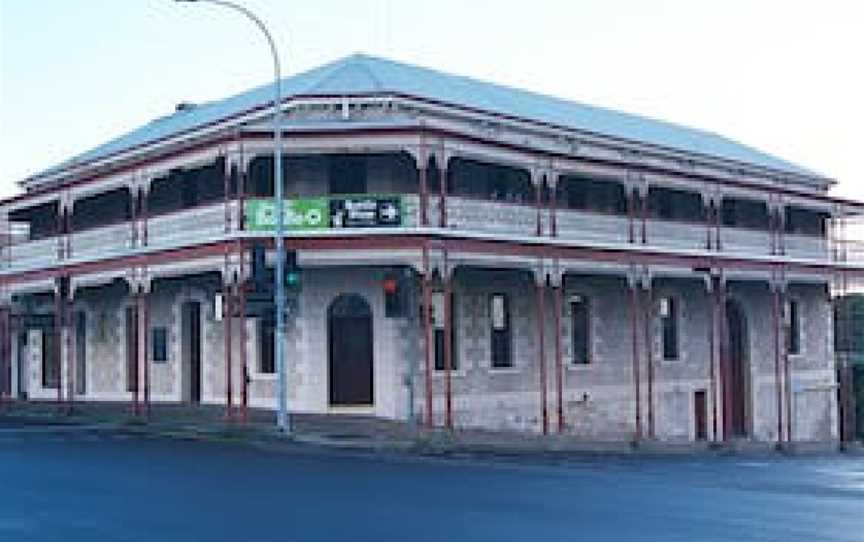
(333, 212)
(300, 214)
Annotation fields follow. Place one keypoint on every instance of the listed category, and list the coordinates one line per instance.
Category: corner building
(469, 255)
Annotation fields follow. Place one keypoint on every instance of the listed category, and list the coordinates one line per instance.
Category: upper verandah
(358, 76)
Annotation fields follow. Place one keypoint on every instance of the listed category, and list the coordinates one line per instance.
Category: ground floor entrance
(735, 374)
(191, 351)
(349, 324)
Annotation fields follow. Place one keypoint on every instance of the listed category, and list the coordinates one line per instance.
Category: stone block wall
(598, 399)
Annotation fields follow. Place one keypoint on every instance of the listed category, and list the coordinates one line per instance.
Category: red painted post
(709, 221)
(227, 321)
(559, 362)
(442, 208)
(226, 193)
(788, 369)
(5, 355)
(424, 193)
(58, 337)
(645, 219)
(244, 390)
(135, 356)
(634, 339)
(718, 222)
(725, 375)
(712, 338)
(775, 316)
(631, 215)
(144, 299)
(649, 356)
(70, 354)
(144, 217)
(448, 352)
(553, 209)
(427, 333)
(538, 204)
(541, 353)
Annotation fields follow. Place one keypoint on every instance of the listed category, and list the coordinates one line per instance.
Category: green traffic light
(292, 278)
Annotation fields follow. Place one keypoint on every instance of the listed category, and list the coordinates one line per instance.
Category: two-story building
(471, 255)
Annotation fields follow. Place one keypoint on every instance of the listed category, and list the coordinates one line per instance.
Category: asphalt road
(69, 487)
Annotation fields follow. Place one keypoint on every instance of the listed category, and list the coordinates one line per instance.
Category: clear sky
(782, 75)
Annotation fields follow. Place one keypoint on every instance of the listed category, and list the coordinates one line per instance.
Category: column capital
(438, 261)
(442, 155)
(548, 271)
(66, 201)
(140, 280)
(636, 182)
(639, 277)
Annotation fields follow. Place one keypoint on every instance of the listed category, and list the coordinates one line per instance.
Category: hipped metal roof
(360, 74)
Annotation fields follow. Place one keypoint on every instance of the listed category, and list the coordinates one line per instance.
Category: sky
(783, 76)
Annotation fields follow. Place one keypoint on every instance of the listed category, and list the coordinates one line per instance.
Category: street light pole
(283, 421)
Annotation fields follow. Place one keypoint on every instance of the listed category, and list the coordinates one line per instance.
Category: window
(793, 321)
(592, 195)
(806, 222)
(676, 205)
(580, 330)
(347, 174)
(669, 323)
(50, 360)
(160, 345)
(489, 182)
(499, 315)
(438, 331)
(266, 336)
(744, 213)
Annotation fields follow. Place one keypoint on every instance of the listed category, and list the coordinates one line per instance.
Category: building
(469, 255)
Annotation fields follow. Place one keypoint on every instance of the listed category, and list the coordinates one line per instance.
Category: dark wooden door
(351, 354)
(700, 415)
(193, 322)
(81, 353)
(736, 371)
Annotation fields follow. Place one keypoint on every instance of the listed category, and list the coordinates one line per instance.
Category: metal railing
(212, 222)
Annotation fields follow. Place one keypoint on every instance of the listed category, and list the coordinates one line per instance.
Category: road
(67, 486)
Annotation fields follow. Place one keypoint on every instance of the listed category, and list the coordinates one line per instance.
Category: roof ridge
(357, 59)
(364, 73)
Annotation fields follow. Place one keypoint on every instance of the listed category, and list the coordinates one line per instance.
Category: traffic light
(292, 270)
(398, 291)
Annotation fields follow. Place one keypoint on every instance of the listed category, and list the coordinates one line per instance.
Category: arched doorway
(349, 330)
(736, 361)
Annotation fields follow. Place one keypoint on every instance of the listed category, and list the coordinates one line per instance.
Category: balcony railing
(33, 254)
(806, 246)
(211, 222)
(602, 228)
(104, 242)
(745, 242)
(493, 217)
(187, 227)
(677, 235)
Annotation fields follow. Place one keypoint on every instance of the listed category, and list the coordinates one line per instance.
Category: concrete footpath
(361, 433)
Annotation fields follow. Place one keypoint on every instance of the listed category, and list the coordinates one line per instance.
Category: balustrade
(107, 241)
(491, 216)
